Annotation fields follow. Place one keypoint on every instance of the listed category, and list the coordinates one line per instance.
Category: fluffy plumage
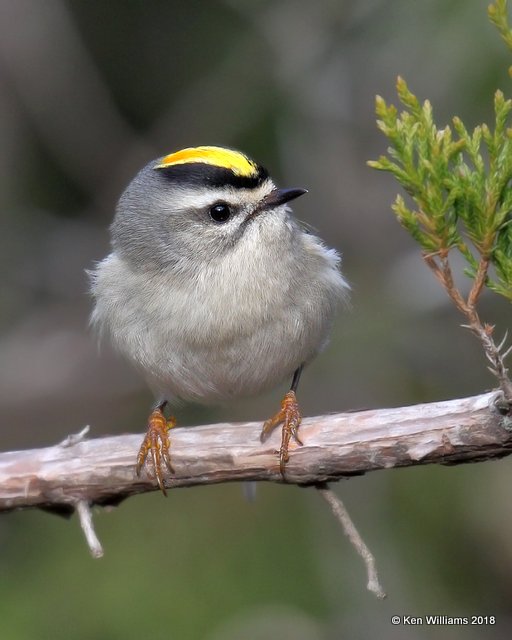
(207, 310)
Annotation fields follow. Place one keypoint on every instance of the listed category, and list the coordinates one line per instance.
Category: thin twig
(498, 368)
(507, 352)
(444, 275)
(349, 528)
(478, 283)
(482, 331)
(502, 345)
(85, 515)
(75, 438)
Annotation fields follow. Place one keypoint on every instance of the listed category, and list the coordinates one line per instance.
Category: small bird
(213, 289)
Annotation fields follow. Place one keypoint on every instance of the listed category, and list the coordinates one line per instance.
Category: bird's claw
(156, 443)
(289, 415)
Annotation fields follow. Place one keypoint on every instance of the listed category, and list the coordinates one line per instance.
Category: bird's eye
(220, 212)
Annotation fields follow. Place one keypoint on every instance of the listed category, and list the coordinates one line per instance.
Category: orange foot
(156, 442)
(290, 416)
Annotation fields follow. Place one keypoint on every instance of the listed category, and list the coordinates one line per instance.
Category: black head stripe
(202, 174)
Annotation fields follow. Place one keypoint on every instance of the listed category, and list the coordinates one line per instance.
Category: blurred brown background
(90, 90)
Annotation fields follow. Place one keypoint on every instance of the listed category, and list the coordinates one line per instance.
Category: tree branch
(102, 471)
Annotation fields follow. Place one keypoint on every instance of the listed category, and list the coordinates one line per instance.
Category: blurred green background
(90, 90)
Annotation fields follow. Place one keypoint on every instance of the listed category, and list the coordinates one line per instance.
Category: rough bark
(102, 470)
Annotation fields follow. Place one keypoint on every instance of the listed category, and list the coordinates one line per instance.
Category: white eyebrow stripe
(189, 197)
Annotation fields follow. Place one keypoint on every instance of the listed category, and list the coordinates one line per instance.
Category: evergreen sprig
(497, 13)
(459, 184)
(459, 181)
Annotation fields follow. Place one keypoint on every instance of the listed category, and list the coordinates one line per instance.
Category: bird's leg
(289, 415)
(156, 442)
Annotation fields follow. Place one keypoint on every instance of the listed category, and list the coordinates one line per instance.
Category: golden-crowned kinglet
(213, 289)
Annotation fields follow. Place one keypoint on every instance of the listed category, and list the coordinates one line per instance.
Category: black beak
(281, 196)
(275, 198)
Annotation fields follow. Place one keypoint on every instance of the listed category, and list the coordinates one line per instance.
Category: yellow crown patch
(235, 161)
